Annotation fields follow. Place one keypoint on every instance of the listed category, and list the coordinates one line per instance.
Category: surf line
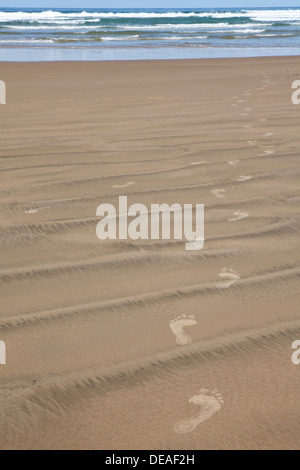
(154, 224)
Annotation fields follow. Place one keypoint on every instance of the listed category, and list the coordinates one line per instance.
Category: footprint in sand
(34, 211)
(268, 134)
(210, 403)
(177, 327)
(251, 142)
(200, 162)
(219, 193)
(233, 162)
(247, 127)
(239, 216)
(123, 185)
(262, 120)
(230, 277)
(244, 178)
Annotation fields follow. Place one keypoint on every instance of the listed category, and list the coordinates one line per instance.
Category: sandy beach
(141, 344)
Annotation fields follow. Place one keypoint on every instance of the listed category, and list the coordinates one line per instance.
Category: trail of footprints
(210, 402)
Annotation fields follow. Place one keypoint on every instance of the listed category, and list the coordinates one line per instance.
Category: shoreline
(159, 61)
(151, 54)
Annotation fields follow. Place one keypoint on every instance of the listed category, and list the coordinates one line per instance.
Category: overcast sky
(147, 3)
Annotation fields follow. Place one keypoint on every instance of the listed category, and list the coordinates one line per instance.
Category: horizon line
(157, 8)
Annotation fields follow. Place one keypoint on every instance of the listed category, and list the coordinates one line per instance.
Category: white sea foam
(26, 41)
(256, 15)
(244, 31)
(181, 38)
(52, 27)
(274, 15)
(274, 35)
(119, 38)
(188, 26)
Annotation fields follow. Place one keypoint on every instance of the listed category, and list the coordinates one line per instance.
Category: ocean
(110, 34)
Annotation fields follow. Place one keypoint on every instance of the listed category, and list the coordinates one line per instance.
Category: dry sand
(141, 344)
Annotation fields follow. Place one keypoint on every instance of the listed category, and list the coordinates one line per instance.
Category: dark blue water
(93, 34)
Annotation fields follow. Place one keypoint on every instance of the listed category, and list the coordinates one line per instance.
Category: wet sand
(141, 344)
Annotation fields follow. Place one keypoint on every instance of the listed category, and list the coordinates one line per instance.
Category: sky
(147, 3)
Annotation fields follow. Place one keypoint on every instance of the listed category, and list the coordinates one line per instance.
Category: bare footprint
(219, 193)
(267, 152)
(244, 178)
(34, 211)
(123, 185)
(210, 402)
(200, 162)
(233, 162)
(230, 277)
(239, 216)
(177, 327)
